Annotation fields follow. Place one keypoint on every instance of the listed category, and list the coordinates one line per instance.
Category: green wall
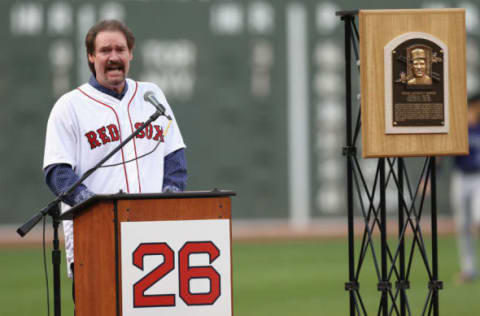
(223, 67)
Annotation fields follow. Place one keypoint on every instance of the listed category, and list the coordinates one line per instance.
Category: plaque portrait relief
(419, 66)
(416, 85)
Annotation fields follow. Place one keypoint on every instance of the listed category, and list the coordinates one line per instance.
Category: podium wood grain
(94, 236)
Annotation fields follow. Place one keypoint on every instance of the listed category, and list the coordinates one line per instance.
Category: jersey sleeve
(60, 140)
(175, 172)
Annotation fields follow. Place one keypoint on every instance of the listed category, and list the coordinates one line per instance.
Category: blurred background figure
(465, 195)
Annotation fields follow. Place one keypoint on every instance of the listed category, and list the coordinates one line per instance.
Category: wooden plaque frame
(377, 28)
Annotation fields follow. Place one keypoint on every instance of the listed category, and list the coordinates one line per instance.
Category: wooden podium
(166, 232)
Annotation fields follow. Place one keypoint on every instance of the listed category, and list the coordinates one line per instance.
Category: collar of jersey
(94, 83)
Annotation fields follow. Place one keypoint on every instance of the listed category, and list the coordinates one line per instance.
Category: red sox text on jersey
(109, 133)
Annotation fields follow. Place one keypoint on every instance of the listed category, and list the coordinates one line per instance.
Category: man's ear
(91, 58)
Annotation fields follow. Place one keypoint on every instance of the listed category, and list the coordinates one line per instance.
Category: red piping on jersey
(120, 132)
(134, 143)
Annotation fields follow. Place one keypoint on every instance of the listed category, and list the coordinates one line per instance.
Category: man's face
(111, 59)
(419, 67)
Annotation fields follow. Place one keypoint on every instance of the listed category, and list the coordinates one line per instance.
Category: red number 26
(186, 274)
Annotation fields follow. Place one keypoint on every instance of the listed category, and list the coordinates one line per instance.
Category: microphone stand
(53, 209)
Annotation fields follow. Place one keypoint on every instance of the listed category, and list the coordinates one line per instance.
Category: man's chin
(118, 80)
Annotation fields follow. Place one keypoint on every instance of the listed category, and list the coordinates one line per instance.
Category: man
(85, 125)
(419, 68)
(465, 194)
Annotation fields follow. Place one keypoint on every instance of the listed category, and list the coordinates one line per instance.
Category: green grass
(22, 283)
(270, 278)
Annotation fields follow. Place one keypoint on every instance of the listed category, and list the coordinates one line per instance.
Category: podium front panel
(194, 251)
(175, 268)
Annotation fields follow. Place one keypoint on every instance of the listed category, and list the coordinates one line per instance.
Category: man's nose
(114, 55)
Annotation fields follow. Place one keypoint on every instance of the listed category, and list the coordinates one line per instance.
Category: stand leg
(56, 261)
(383, 237)
(433, 186)
(351, 241)
(401, 221)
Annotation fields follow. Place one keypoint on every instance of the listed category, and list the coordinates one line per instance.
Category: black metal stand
(53, 209)
(391, 264)
(56, 260)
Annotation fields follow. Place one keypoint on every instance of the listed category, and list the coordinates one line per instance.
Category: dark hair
(106, 25)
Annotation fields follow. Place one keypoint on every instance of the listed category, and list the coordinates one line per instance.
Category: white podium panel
(176, 268)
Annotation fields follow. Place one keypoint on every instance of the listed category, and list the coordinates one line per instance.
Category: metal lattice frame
(391, 264)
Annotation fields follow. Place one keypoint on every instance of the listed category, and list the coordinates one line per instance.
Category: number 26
(186, 273)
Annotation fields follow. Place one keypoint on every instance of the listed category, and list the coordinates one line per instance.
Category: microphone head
(147, 95)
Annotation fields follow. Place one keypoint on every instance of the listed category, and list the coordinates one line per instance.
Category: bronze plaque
(418, 89)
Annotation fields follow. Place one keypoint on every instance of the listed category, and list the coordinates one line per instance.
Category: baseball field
(281, 277)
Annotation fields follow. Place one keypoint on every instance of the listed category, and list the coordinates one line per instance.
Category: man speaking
(88, 122)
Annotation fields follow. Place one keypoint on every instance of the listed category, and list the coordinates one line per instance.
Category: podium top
(68, 215)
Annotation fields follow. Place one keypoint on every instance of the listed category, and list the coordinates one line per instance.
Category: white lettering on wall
(171, 65)
(26, 18)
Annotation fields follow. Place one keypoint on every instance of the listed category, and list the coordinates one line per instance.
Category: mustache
(115, 65)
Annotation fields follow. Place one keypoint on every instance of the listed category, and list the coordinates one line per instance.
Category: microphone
(149, 96)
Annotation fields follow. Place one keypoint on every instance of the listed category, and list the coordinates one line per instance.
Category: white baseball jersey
(86, 124)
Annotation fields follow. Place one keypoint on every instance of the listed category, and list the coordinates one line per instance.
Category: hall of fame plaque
(416, 85)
